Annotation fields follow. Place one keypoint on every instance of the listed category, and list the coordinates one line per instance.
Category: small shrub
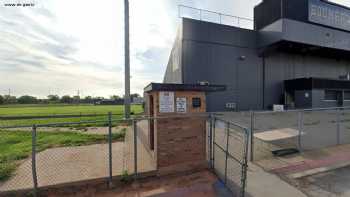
(6, 170)
(125, 178)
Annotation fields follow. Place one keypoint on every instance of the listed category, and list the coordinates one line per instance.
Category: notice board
(166, 102)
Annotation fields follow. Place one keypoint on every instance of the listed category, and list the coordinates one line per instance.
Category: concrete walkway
(308, 161)
(261, 183)
(145, 157)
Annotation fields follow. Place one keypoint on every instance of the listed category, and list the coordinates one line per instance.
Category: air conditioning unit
(278, 107)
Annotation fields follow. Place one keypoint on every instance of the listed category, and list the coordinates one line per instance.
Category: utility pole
(127, 61)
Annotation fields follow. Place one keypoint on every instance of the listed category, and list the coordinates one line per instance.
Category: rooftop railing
(215, 17)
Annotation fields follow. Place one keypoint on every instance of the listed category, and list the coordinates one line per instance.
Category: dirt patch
(192, 185)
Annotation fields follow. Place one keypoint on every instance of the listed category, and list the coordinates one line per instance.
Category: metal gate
(227, 150)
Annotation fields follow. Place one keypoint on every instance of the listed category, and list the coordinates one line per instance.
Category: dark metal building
(292, 39)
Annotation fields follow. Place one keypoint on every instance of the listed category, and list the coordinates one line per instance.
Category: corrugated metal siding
(296, 10)
(214, 56)
(267, 12)
(270, 11)
(282, 66)
(211, 52)
(173, 72)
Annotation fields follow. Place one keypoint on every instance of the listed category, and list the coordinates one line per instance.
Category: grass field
(18, 110)
(53, 110)
(17, 145)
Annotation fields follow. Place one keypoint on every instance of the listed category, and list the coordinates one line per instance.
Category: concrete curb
(318, 170)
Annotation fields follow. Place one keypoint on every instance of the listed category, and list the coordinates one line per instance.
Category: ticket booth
(177, 134)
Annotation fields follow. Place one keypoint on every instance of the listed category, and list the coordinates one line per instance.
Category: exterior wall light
(242, 57)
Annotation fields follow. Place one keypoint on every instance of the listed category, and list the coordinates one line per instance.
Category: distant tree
(2, 100)
(26, 99)
(88, 99)
(10, 99)
(135, 98)
(53, 98)
(136, 95)
(115, 97)
(99, 98)
(76, 99)
(66, 99)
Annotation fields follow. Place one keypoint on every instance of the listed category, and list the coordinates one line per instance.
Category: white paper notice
(166, 102)
(181, 105)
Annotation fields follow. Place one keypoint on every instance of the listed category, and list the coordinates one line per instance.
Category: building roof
(316, 83)
(183, 87)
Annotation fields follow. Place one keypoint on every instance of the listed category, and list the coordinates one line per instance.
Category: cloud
(341, 2)
(62, 46)
(36, 58)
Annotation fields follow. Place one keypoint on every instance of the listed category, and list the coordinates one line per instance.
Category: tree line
(55, 99)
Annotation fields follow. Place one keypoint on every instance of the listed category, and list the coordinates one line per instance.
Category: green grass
(17, 145)
(49, 110)
(18, 110)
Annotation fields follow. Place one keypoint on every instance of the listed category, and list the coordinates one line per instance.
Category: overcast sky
(62, 46)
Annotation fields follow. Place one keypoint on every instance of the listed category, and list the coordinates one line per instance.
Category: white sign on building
(181, 105)
(166, 102)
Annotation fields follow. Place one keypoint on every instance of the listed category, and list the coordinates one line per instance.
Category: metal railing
(54, 158)
(214, 17)
(306, 130)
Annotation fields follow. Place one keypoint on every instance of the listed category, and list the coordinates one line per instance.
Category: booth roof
(183, 87)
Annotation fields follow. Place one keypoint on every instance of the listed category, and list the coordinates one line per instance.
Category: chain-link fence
(26, 119)
(15, 160)
(294, 131)
(228, 153)
(43, 155)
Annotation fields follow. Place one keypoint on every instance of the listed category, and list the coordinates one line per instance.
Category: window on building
(347, 95)
(331, 95)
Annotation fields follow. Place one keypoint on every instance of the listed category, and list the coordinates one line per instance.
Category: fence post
(210, 145)
(300, 128)
(338, 126)
(227, 140)
(251, 136)
(245, 164)
(110, 156)
(213, 161)
(35, 178)
(134, 123)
